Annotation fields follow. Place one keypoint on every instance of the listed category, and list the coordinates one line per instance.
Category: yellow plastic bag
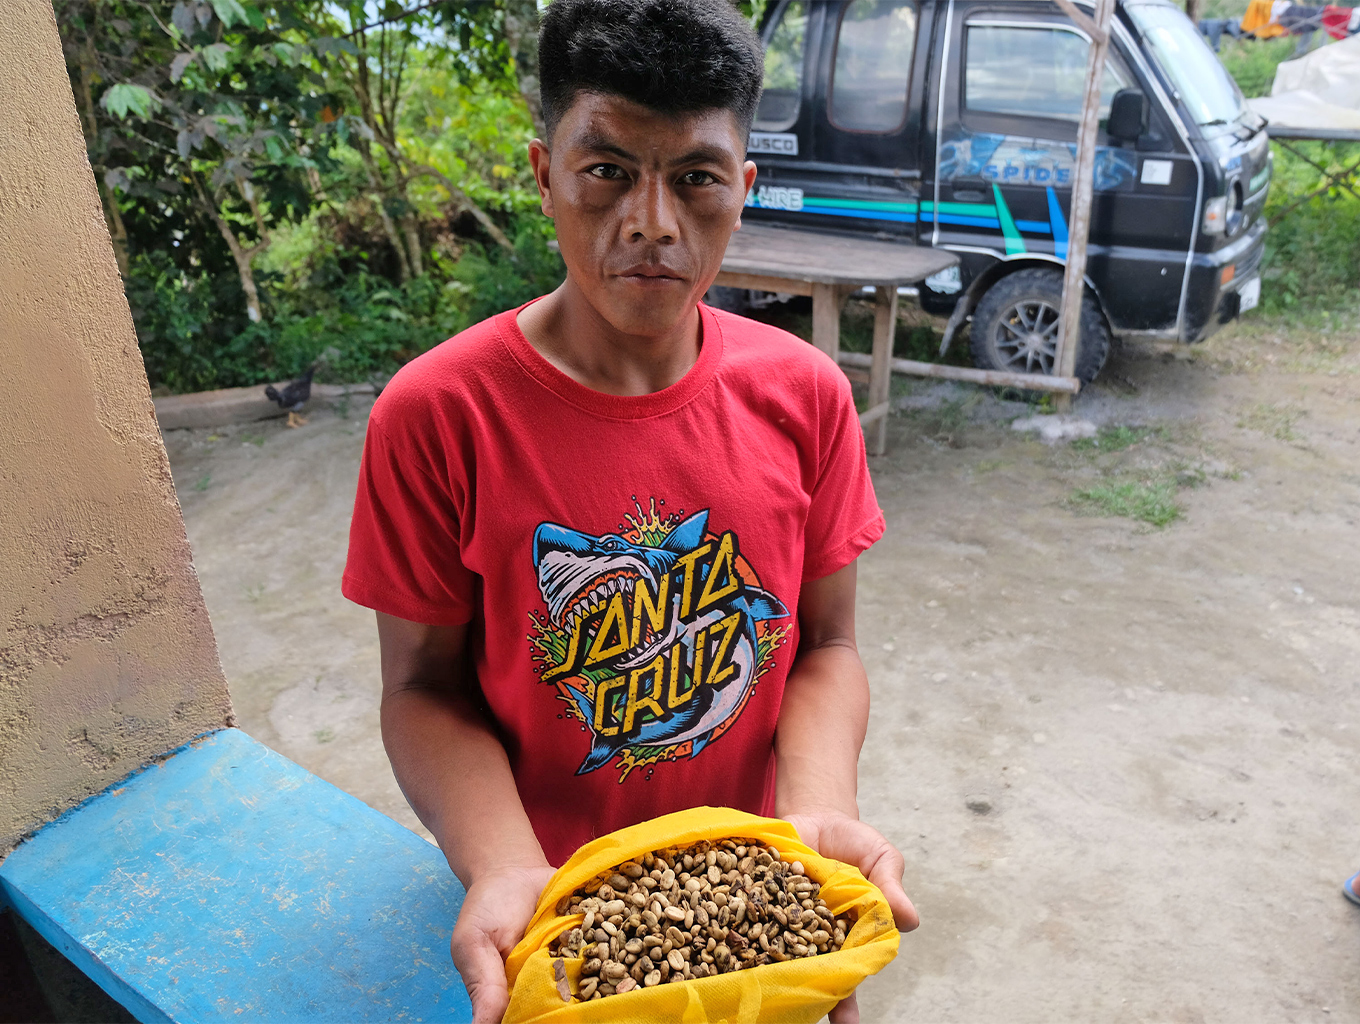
(801, 990)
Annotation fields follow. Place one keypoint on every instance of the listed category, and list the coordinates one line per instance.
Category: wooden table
(831, 268)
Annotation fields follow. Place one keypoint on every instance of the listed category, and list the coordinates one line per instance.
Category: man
(611, 536)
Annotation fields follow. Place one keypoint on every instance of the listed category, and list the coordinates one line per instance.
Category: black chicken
(293, 396)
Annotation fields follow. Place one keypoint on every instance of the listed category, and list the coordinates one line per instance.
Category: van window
(873, 65)
(1033, 71)
(783, 69)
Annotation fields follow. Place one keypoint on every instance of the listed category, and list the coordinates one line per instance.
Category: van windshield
(1205, 87)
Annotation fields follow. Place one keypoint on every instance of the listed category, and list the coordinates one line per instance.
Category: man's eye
(608, 171)
(698, 178)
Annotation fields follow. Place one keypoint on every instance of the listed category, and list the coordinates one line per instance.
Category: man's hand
(496, 911)
(850, 841)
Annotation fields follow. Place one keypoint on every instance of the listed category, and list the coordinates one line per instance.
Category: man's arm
(455, 774)
(822, 722)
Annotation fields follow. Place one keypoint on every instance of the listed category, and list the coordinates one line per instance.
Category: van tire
(1020, 311)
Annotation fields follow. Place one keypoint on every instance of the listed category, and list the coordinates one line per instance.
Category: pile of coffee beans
(678, 914)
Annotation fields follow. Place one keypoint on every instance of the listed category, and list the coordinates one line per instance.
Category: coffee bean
(677, 915)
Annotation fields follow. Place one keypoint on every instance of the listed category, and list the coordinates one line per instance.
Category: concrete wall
(107, 658)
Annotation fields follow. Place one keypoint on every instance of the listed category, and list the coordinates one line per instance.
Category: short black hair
(673, 56)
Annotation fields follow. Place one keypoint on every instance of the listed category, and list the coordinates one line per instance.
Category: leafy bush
(322, 307)
(185, 325)
(1312, 251)
(495, 280)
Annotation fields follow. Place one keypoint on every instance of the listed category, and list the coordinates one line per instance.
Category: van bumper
(1211, 301)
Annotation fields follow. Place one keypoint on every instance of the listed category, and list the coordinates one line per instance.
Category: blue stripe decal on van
(905, 213)
(840, 211)
(972, 222)
(1059, 222)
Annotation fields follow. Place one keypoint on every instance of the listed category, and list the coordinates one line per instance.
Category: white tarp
(1318, 91)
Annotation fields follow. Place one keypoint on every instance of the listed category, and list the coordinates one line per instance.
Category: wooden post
(1079, 217)
(880, 370)
(969, 374)
(826, 318)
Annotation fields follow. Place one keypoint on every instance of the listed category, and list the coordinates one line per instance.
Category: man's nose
(651, 213)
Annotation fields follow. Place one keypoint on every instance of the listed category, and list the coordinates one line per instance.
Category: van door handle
(971, 189)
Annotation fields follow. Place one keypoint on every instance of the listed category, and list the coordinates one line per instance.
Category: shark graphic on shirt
(656, 641)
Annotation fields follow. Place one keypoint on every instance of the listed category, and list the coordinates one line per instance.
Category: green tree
(210, 103)
(370, 65)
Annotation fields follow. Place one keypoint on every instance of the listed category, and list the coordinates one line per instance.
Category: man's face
(644, 203)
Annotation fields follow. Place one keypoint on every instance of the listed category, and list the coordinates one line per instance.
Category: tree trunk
(243, 269)
(239, 253)
(521, 33)
(403, 265)
(113, 217)
(461, 200)
(412, 230)
(1192, 10)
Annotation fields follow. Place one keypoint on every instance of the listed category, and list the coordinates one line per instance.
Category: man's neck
(569, 332)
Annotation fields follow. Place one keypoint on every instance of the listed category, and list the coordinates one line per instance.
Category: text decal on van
(778, 143)
(775, 197)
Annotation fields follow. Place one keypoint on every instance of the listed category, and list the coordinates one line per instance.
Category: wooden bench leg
(826, 318)
(880, 369)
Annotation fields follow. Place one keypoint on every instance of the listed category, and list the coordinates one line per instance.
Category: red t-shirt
(631, 565)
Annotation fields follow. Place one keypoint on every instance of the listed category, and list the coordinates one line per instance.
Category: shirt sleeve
(404, 550)
(843, 518)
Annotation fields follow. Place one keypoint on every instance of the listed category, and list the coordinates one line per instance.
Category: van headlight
(1216, 216)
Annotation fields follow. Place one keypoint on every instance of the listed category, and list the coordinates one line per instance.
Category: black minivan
(953, 123)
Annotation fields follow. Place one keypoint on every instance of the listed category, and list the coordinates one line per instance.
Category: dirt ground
(1120, 757)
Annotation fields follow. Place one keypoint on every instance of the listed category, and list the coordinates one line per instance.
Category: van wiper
(1213, 124)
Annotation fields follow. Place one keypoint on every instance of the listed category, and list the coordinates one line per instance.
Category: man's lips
(650, 274)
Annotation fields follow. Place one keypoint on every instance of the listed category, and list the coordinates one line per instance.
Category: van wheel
(1015, 327)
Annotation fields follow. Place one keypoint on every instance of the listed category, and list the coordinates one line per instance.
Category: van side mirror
(1128, 115)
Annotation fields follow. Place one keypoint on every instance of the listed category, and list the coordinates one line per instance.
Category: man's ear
(748, 174)
(540, 158)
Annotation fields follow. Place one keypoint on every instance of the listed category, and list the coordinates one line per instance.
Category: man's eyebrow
(601, 143)
(704, 155)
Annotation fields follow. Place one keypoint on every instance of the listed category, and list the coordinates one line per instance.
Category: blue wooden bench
(228, 884)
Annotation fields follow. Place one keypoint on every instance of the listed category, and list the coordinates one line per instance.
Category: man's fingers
(904, 913)
(480, 966)
(881, 863)
(845, 1012)
(886, 873)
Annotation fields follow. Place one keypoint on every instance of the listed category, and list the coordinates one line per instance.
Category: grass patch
(1140, 472)
(1112, 439)
(1275, 421)
(202, 483)
(1151, 501)
(1252, 62)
